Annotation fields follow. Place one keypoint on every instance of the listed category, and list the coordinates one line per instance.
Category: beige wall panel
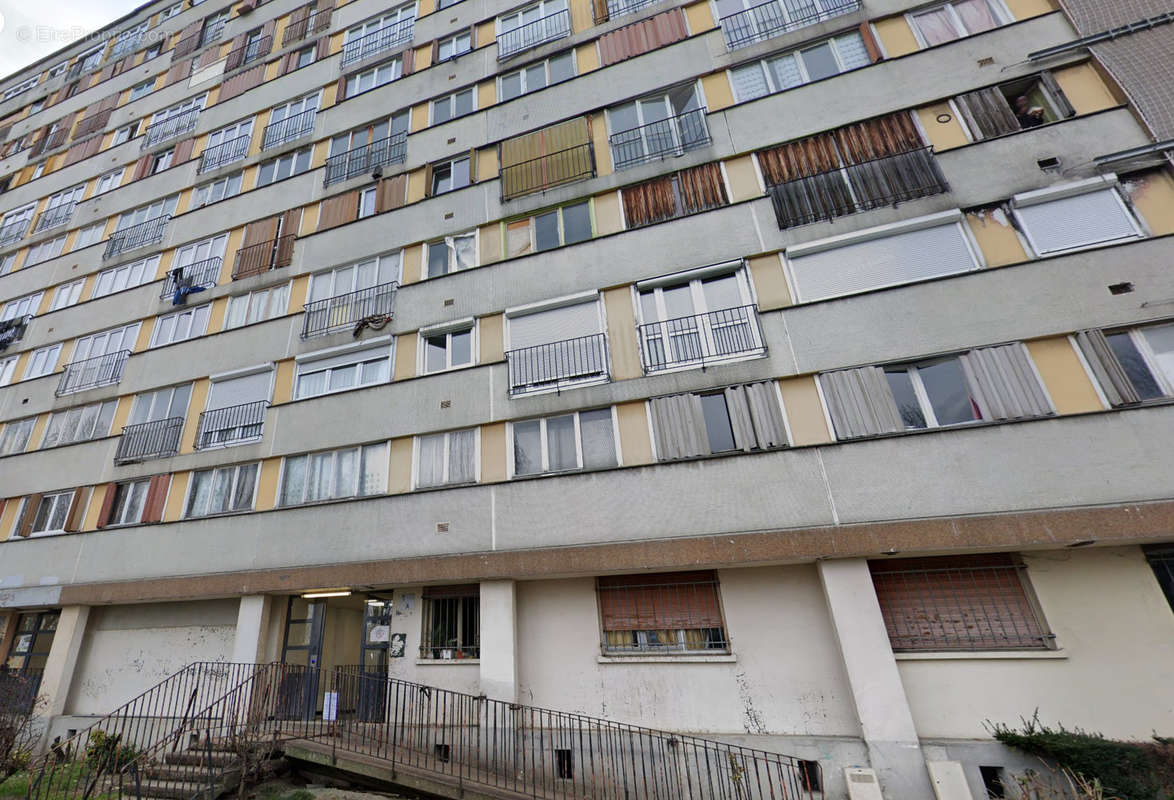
(267, 484)
(400, 467)
(1153, 198)
(996, 237)
(606, 211)
(493, 453)
(718, 94)
(895, 36)
(770, 284)
(804, 411)
(621, 333)
(942, 127)
(405, 357)
(491, 336)
(635, 440)
(1065, 377)
(1084, 88)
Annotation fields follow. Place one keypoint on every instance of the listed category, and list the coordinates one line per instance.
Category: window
(218, 190)
(57, 69)
(7, 262)
(454, 105)
(304, 58)
(283, 167)
(171, 11)
(220, 491)
(91, 234)
(36, 106)
(51, 514)
(187, 324)
(67, 294)
(366, 274)
(1013, 106)
(291, 121)
(582, 440)
(15, 437)
(557, 346)
(22, 87)
(15, 224)
(123, 135)
(214, 26)
(668, 123)
(161, 404)
(447, 349)
(951, 21)
(126, 276)
(1131, 366)
(42, 362)
(156, 210)
(795, 68)
(338, 373)
(548, 230)
(451, 622)
(670, 612)
(227, 145)
(932, 394)
(263, 304)
(161, 161)
(689, 191)
(361, 150)
(537, 76)
(745, 418)
(452, 254)
(152, 52)
(43, 251)
(200, 261)
(128, 40)
(379, 34)
(142, 89)
(450, 175)
(454, 46)
(353, 472)
(367, 202)
(235, 412)
(1072, 221)
(130, 500)
(446, 458)
(80, 424)
(973, 602)
(172, 122)
(59, 209)
(21, 307)
(374, 77)
(531, 26)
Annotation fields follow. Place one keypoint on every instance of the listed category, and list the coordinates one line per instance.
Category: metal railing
(779, 16)
(187, 44)
(346, 310)
(227, 152)
(53, 217)
(91, 372)
(246, 53)
(288, 129)
(13, 231)
(167, 129)
(147, 440)
(231, 424)
(535, 174)
(264, 256)
(619, 8)
(204, 274)
(148, 232)
(555, 365)
(870, 184)
(18, 690)
(296, 31)
(670, 136)
(378, 41)
(700, 339)
(545, 29)
(212, 33)
(361, 160)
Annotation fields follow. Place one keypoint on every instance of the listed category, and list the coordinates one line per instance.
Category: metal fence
(345, 310)
(92, 372)
(204, 274)
(54, 217)
(779, 16)
(246, 53)
(364, 159)
(553, 169)
(227, 152)
(167, 129)
(288, 129)
(670, 136)
(699, 339)
(619, 8)
(149, 232)
(262, 257)
(13, 231)
(231, 424)
(147, 440)
(377, 42)
(557, 364)
(18, 690)
(544, 29)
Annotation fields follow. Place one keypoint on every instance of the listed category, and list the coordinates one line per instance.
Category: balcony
(149, 232)
(147, 440)
(771, 19)
(13, 330)
(671, 136)
(565, 166)
(365, 159)
(231, 425)
(167, 129)
(202, 274)
(858, 187)
(620, 8)
(288, 129)
(347, 310)
(227, 152)
(18, 690)
(296, 31)
(262, 257)
(13, 231)
(542, 30)
(90, 373)
(53, 217)
(556, 365)
(701, 339)
(381, 40)
(92, 124)
(248, 53)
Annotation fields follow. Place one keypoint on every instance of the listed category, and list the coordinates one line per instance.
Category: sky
(32, 29)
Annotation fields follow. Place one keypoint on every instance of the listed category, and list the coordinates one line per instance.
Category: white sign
(330, 706)
(380, 633)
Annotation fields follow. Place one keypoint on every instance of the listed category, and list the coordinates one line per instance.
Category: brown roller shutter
(107, 505)
(296, 29)
(322, 48)
(183, 151)
(73, 518)
(25, 526)
(661, 601)
(264, 48)
(236, 53)
(188, 39)
(322, 18)
(338, 210)
(142, 167)
(208, 58)
(391, 193)
(642, 37)
(156, 498)
(340, 90)
(987, 113)
(121, 64)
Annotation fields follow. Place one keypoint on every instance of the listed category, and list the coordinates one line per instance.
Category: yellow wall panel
(489, 243)
(38, 432)
(770, 284)
(742, 176)
(175, 496)
(621, 333)
(942, 127)
(320, 154)
(582, 17)
(586, 58)
(804, 411)
(635, 440)
(602, 149)
(417, 185)
(399, 471)
(8, 517)
(298, 292)
(487, 163)
(144, 337)
(605, 210)
(1025, 9)
(700, 18)
(996, 238)
(486, 33)
(405, 357)
(121, 414)
(267, 484)
(718, 94)
(425, 8)
(493, 453)
(1084, 88)
(486, 94)
(216, 315)
(418, 120)
(97, 497)
(1153, 197)
(283, 381)
(895, 36)
(1069, 385)
(413, 263)
(199, 399)
(491, 333)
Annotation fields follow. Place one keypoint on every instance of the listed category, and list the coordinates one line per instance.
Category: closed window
(21, 307)
(7, 369)
(105, 343)
(79, 424)
(745, 418)
(454, 46)
(451, 622)
(67, 294)
(537, 76)
(161, 404)
(160, 208)
(291, 121)
(341, 372)
(1161, 558)
(263, 304)
(582, 440)
(172, 122)
(374, 77)
(351, 472)
(227, 145)
(367, 202)
(305, 58)
(222, 490)
(42, 361)
(59, 209)
(795, 68)
(283, 167)
(1075, 221)
(451, 254)
(130, 499)
(672, 612)
(951, 21)
(454, 105)
(450, 175)
(142, 89)
(15, 437)
(235, 412)
(379, 34)
(446, 458)
(215, 191)
(91, 234)
(51, 513)
(43, 251)
(548, 230)
(214, 26)
(447, 349)
(123, 135)
(126, 276)
(187, 324)
(744, 22)
(109, 181)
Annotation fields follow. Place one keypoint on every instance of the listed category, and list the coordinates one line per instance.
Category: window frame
(354, 81)
(1162, 379)
(912, 371)
(51, 354)
(15, 436)
(25, 306)
(450, 164)
(450, 101)
(447, 330)
(147, 87)
(199, 319)
(57, 499)
(269, 293)
(304, 365)
(124, 495)
(190, 494)
(113, 177)
(147, 268)
(67, 294)
(544, 444)
(454, 40)
(532, 228)
(765, 66)
(523, 73)
(292, 156)
(451, 261)
(333, 495)
(446, 481)
(105, 408)
(1032, 240)
(997, 7)
(642, 646)
(208, 189)
(45, 250)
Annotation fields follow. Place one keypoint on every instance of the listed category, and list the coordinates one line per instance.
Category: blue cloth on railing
(181, 293)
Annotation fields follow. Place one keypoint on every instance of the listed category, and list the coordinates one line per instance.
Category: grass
(16, 785)
(68, 784)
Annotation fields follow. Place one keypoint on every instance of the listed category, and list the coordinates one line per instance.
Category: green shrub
(107, 753)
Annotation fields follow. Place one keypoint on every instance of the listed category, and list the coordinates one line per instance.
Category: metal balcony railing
(671, 136)
(557, 364)
(364, 159)
(247, 53)
(147, 440)
(124, 44)
(619, 8)
(858, 187)
(167, 129)
(296, 31)
(212, 33)
(13, 330)
(288, 129)
(18, 690)
(148, 232)
(13, 231)
(701, 339)
(231, 425)
(346, 310)
(53, 217)
(227, 152)
(203, 274)
(774, 17)
(572, 164)
(187, 44)
(262, 257)
(377, 42)
(545, 29)
(92, 372)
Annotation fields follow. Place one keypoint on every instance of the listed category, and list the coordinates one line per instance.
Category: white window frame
(468, 324)
(42, 362)
(196, 322)
(393, 66)
(450, 100)
(146, 88)
(96, 431)
(334, 493)
(544, 444)
(89, 235)
(203, 195)
(292, 158)
(417, 453)
(392, 262)
(367, 202)
(1164, 379)
(141, 271)
(1092, 185)
(137, 216)
(450, 164)
(448, 243)
(21, 87)
(67, 294)
(638, 103)
(545, 9)
(129, 502)
(14, 438)
(57, 499)
(124, 134)
(767, 71)
(22, 306)
(523, 73)
(454, 42)
(997, 7)
(363, 353)
(258, 298)
(45, 251)
(232, 487)
(7, 369)
(922, 395)
(147, 406)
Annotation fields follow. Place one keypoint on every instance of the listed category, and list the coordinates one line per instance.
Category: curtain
(595, 430)
(1004, 383)
(1111, 376)
(679, 426)
(560, 443)
(293, 483)
(936, 26)
(461, 455)
(661, 602)
(976, 15)
(431, 466)
(860, 402)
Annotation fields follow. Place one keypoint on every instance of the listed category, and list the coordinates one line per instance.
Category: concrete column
(883, 709)
(499, 640)
(59, 667)
(252, 621)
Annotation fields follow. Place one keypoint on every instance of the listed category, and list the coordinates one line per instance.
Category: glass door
(375, 657)
(301, 654)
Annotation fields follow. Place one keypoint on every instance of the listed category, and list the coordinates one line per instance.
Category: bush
(105, 752)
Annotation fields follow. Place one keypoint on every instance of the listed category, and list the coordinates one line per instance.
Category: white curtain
(461, 453)
(431, 468)
(560, 443)
(937, 27)
(976, 15)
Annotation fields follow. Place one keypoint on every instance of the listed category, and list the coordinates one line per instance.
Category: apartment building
(795, 374)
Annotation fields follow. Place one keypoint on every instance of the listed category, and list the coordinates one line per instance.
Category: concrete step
(200, 758)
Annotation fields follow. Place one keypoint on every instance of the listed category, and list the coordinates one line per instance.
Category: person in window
(1029, 116)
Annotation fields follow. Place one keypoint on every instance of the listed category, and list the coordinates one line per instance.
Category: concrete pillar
(883, 709)
(63, 653)
(252, 621)
(499, 640)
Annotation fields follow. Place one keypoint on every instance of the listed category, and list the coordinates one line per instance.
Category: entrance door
(305, 624)
(375, 658)
(20, 675)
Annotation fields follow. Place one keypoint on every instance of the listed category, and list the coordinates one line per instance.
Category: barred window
(1161, 558)
(672, 612)
(451, 622)
(977, 602)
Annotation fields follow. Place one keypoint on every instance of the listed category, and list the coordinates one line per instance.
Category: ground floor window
(674, 612)
(451, 622)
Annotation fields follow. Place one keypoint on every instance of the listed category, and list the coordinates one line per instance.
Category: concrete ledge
(987, 655)
(724, 658)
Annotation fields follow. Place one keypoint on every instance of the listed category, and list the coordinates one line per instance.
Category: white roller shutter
(1078, 221)
(554, 325)
(238, 391)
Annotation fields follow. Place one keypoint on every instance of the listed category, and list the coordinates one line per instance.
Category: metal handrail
(670, 136)
(361, 160)
(553, 169)
(346, 310)
(147, 232)
(378, 41)
(167, 129)
(700, 339)
(620, 8)
(554, 365)
(288, 129)
(263, 256)
(89, 373)
(248, 52)
(768, 19)
(146, 440)
(542, 30)
(227, 152)
(231, 424)
(53, 217)
(203, 274)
